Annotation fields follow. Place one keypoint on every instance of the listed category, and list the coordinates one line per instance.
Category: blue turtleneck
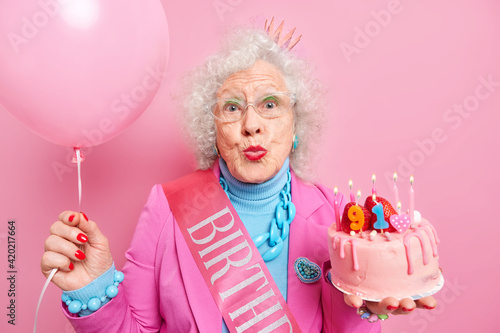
(255, 205)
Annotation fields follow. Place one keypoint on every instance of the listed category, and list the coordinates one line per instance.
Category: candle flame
(374, 178)
(335, 190)
(411, 180)
(395, 177)
(358, 195)
(350, 184)
(399, 205)
(374, 197)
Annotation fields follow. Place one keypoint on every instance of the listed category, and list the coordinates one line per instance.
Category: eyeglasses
(270, 105)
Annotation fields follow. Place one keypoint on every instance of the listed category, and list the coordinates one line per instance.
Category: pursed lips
(255, 153)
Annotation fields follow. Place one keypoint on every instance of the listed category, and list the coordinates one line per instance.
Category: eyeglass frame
(209, 107)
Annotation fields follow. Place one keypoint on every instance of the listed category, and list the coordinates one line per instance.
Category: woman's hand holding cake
(391, 305)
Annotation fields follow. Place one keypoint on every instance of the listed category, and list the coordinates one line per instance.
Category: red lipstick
(255, 153)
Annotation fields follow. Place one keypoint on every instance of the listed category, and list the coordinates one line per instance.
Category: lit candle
(374, 197)
(396, 192)
(351, 193)
(399, 208)
(412, 200)
(358, 195)
(374, 190)
(336, 209)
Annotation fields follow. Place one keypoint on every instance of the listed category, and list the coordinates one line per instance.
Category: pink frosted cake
(386, 255)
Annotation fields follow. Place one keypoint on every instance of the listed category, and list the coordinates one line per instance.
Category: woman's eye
(231, 108)
(270, 105)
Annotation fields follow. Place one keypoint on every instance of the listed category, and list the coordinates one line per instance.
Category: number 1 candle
(380, 223)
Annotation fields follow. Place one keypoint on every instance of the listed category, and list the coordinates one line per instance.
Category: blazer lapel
(308, 240)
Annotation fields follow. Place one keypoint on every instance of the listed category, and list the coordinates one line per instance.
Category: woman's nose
(252, 121)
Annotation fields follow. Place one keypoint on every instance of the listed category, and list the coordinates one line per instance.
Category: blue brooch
(307, 271)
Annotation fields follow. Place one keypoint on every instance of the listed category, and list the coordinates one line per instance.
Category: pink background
(384, 104)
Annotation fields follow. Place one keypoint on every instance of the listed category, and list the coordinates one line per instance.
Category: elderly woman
(252, 112)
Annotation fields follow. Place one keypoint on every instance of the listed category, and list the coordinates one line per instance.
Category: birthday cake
(376, 252)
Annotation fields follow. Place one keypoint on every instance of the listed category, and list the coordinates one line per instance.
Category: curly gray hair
(242, 48)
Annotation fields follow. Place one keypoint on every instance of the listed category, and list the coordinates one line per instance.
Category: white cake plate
(414, 297)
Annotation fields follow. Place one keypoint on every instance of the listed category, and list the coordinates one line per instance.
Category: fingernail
(429, 307)
(80, 255)
(82, 238)
(71, 218)
(390, 307)
(71, 266)
(85, 216)
(408, 310)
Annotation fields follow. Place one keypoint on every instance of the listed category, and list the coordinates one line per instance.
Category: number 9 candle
(356, 215)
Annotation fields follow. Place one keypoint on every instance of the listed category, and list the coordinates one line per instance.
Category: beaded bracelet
(367, 314)
(75, 306)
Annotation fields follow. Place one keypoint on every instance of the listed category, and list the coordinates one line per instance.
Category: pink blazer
(164, 291)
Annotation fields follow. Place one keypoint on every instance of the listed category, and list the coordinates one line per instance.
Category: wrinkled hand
(391, 305)
(78, 248)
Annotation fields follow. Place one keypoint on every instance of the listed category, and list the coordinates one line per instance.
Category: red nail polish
(71, 218)
(82, 238)
(429, 307)
(390, 307)
(80, 255)
(408, 310)
(85, 216)
(71, 266)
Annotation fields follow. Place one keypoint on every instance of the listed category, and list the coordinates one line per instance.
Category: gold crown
(286, 41)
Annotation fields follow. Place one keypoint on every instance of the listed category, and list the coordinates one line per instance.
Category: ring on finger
(365, 313)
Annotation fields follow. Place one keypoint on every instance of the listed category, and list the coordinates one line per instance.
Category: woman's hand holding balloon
(78, 249)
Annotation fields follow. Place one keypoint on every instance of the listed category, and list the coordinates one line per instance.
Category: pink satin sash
(226, 256)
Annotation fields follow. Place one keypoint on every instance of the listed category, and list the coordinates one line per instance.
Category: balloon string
(79, 161)
(54, 270)
(49, 278)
